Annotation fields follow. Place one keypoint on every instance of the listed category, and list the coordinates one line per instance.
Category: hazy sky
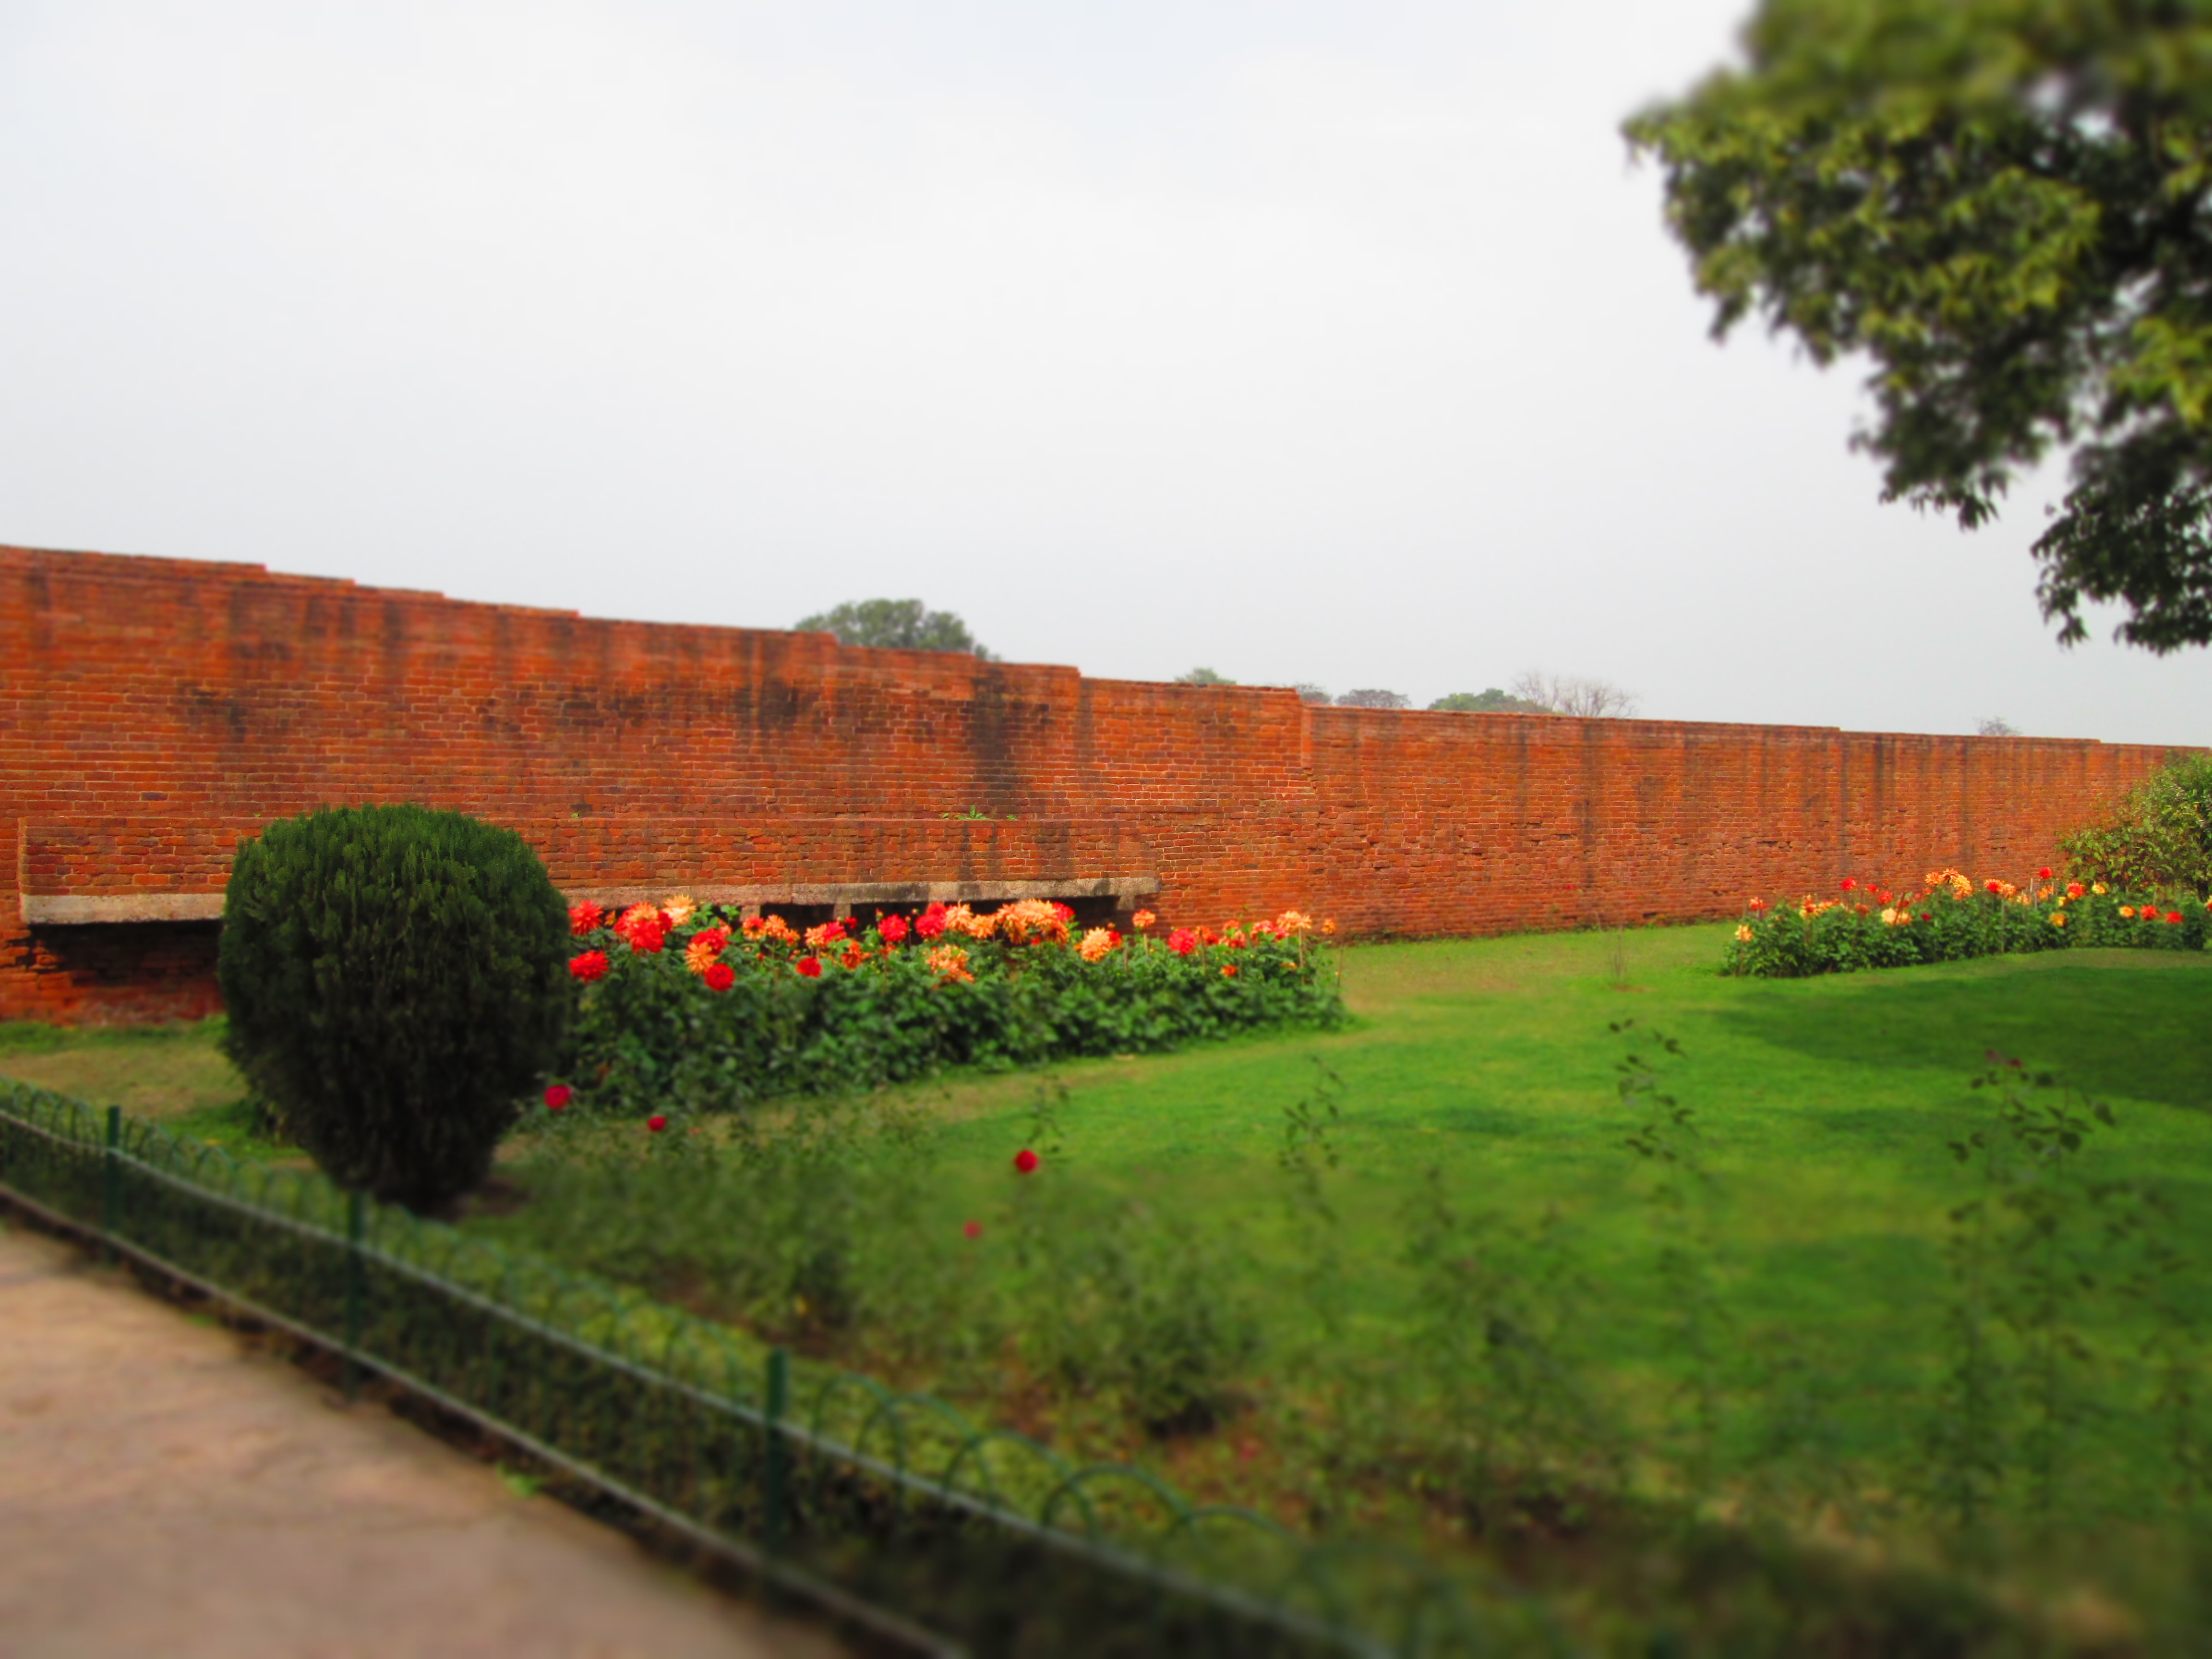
(1306, 340)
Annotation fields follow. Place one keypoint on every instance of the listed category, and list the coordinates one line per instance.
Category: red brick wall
(153, 710)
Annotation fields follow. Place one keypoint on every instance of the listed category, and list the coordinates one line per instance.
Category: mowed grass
(1826, 1109)
(1826, 1105)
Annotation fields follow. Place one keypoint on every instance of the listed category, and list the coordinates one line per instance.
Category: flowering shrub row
(1951, 917)
(682, 1003)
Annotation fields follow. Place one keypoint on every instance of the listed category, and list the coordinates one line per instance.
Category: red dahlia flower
(556, 1098)
(930, 923)
(2173, 918)
(647, 940)
(1182, 941)
(892, 929)
(1064, 912)
(583, 918)
(1850, 882)
(2044, 874)
(1993, 885)
(592, 965)
(853, 957)
(972, 1229)
(1026, 1162)
(1229, 970)
(809, 967)
(656, 1123)
(720, 977)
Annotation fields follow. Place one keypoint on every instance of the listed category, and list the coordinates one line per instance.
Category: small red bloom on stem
(892, 929)
(1993, 885)
(592, 965)
(2173, 918)
(2044, 874)
(556, 1098)
(1182, 941)
(647, 940)
(583, 918)
(720, 977)
(809, 967)
(1850, 882)
(1025, 1161)
(1064, 912)
(972, 1229)
(656, 1123)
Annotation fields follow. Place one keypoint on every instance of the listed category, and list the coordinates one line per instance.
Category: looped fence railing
(889, 1508)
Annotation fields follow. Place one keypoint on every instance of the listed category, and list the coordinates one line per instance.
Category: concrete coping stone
(78, 910)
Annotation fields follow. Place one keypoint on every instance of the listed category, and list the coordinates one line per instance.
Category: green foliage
(2160, 837)
(1941, 923)
(393, 978)
(1203, 676)
(650, 1034)
(2003, 206)
(893, 625)
(1495, 701)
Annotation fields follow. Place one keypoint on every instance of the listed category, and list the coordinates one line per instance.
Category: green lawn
(1825, 1108)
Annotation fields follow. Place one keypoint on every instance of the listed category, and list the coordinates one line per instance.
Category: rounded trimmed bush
(395, 982)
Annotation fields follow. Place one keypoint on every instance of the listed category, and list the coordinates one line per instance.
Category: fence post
(111, 1181)
(775, 1470)
(356, 1208)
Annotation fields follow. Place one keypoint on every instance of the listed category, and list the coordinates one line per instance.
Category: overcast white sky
(1308, 340)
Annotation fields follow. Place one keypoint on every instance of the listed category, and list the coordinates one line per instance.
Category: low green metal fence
(888, 1509)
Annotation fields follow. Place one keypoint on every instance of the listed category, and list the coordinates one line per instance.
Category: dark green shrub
(394, 982)
(2160, 837)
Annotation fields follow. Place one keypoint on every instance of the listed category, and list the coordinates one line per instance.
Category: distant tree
(1308, 692)
(1997, 727)
(1492, 701)
(1203, 676)
(893, 625)
(1374, 699)
(1568, 694)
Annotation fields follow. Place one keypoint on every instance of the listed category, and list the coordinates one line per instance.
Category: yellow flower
(2127, 913)
(1293, 922)
(679, 906)
(2057, 918)
(949, 962)
(2097, 887)
(1889, 917)
(1743, 934)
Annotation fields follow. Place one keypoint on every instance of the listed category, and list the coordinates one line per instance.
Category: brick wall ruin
(155, 710)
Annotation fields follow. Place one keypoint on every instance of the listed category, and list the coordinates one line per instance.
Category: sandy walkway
(163, 1490)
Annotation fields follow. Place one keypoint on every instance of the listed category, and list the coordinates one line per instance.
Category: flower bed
(1953, 917)
(684, 1005)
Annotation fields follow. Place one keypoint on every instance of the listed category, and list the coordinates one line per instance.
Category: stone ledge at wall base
(81, 910)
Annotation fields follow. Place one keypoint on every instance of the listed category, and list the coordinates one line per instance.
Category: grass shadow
(2139, 1032)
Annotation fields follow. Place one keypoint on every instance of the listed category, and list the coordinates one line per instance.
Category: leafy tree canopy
(1495, 701)
(2003, 202)
(1203, 676)
(893, 625)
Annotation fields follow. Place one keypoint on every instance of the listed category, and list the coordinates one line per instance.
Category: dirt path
(165, 1490)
